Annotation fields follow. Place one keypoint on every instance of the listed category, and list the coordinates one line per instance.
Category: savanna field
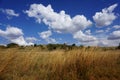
(76, 63)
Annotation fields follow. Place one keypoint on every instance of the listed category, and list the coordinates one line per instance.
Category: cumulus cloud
(106, 17)
(102, 42)
(106, 42)
(88, 32)
(63, 23)
(30, 39)
(83, 37)
(14, 35)
(46, 36)
(114, 35)
(10, 13)
(116, 26)
(108, 29)
(99, 31)
(59, 22)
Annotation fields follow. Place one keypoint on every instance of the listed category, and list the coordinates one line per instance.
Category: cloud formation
(59, 22)
(10, 13)
(46, 36)
(114, 35)
(116, 26)
(77, 26)
(99, 31)
(88, 32)
(102, 42)
(106, 17)
(14, 35)
(30, 39)
(83, 37)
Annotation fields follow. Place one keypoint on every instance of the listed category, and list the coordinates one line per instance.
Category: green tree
(118, 46)
(73, 45)
(12, 45)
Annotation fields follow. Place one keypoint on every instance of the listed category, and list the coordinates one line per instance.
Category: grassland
(33, 63)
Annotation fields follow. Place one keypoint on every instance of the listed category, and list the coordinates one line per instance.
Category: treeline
(47, 46)
(52, 46)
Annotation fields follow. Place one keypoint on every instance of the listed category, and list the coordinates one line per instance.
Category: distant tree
(81, 46)
(118, 46)
(22, 47)
(35, 45)
(41, 46)
(51, 47)
(12, 45)
(2, 46)
(88, 46)
(73, 45)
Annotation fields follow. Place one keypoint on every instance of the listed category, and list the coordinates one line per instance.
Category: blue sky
(84, 22)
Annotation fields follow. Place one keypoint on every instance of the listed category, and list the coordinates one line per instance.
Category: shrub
(118, 46)
(2, 46)
(81, 46)
(73, 45)
(12, 45)
(51, 47)
(35, 45)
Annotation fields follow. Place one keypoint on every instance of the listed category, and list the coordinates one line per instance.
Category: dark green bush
(12, 45)
(118, 46)
(51, 47)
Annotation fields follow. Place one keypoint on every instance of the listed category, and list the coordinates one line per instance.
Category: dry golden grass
(32, 63)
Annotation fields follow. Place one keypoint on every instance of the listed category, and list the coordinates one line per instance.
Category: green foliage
(22, 47)
(2, 46)
(88, 47)
(12, 45)
(73, 45)
(35, 45)
(51, 46)
(81, 46)
(118, 46)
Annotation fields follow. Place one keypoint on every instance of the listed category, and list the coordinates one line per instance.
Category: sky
(83, 22)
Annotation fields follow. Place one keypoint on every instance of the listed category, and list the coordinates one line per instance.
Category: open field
(32, 63)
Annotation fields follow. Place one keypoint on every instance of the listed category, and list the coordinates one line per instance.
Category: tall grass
(77, 64)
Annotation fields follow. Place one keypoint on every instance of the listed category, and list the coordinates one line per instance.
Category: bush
(81, 46)
(35, 45)
(12, 45)
(51, 47)
(118, 46)
(2, 46)
(73, 45)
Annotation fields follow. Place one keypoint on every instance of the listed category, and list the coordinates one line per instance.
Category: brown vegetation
(83, 63)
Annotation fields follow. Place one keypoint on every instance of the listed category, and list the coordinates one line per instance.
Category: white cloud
(88, 32)
(59, 22)
(106, 42)
(14, 35)
(114, 35)
(10, 13)
(82, 37)
(102, 42)
(30, 39)
(64, 23)
(51, 40)
(116, 26)
(106, 17)
(108, 29)
(46, 36)
(11, 32)
(99, 31)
